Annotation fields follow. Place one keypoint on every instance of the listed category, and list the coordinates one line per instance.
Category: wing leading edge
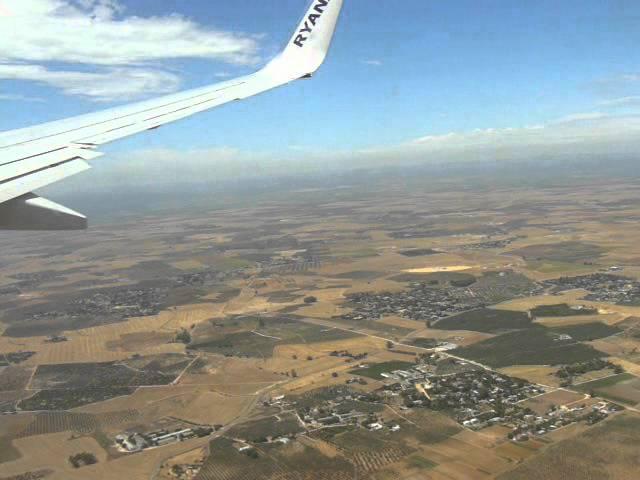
(33, 157)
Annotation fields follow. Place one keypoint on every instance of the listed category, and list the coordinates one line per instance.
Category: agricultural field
(486, 320)
(207, 317)
(586, 331)
(535, 346)
(557, 398)
(257, 337)
(561, 310)
(14, 378)
(296, 460)
(257, 431)
(623, 388)
(135, 372)
(66, 399)
(569, 252)
(608, 450)
(374, 371)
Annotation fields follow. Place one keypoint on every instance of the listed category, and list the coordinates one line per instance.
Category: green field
(560, 310)
(425, 342)
(8, 452)
(436, 278)
(420, 462)
(485, 320)
(66, 399)
(572, 252)
(419, 252)
(374, 371)
(535, 346)
(624, 388)
(587, 331)
(259, 430)
(258, 337)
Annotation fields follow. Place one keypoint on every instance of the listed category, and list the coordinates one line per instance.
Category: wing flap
(17, 169)
(16, 187)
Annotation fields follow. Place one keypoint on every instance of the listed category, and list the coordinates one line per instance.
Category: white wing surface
(33, 157)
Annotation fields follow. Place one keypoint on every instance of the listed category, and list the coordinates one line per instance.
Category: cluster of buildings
(528, 424)
(481, 398)
(437, 299)
(132, 442)
(603, 287)
(473, 397)
(123, 302)
(350, 409)
(421, 302)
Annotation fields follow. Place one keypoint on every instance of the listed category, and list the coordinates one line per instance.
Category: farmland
(535, 346)
(66, 399)
(624, 388)
(560, 310)
(606, 451)
(586, 331)
(374, 371)
(257, 337)
(130, 373)
(272, 322)
(486, 320)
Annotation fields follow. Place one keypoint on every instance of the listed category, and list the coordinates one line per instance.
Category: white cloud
(575, 136)
(581, 117)
(630, 101)
(122, 83)
(19, 98)
(608, 138)
(89, 32)
(95, 35)
(373, 63)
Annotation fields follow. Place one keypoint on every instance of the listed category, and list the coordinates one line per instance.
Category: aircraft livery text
(310, 22)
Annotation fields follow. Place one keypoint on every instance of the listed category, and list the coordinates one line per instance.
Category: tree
(82, 459)
(294, 374)
(183, 337)
(310, 299)
(389, 344)
(334, 374)
(252, 453)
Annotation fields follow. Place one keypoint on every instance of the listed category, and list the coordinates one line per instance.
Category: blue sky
(398, 71)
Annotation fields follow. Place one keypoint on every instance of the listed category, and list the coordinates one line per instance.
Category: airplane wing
(33, 157)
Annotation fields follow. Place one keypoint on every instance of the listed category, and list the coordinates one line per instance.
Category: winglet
(309, 45)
